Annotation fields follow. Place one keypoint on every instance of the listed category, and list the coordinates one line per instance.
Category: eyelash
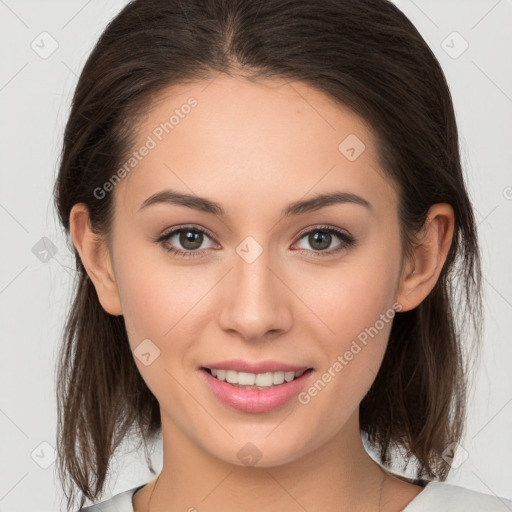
(347, 240)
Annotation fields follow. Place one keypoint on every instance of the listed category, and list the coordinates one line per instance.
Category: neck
(338, 475)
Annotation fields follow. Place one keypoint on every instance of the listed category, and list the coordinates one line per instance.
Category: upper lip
(240, 365)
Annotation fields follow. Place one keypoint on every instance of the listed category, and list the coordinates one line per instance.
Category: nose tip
(256, 303)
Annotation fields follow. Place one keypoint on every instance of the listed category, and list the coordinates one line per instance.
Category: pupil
(190, 237)
(321, 236)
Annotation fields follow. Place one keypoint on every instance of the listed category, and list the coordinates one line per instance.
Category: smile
(254, 380)
(255, 392)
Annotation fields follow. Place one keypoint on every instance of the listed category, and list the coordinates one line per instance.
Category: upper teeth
(255, 379)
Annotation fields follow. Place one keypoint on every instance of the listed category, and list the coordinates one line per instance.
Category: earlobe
(96, 258)
(422, 271)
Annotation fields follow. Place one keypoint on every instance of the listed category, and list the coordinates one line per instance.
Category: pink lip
(239, 365)
(255, 400)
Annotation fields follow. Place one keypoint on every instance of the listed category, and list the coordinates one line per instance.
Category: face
(315, 288)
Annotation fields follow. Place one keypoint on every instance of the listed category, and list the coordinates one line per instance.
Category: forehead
(252, 144)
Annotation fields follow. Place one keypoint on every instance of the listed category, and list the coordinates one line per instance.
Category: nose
(256, 303)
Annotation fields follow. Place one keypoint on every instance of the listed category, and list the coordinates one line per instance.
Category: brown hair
(367, 56)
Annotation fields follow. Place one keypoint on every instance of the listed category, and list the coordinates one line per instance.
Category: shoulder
(446, 497)
(121, 502)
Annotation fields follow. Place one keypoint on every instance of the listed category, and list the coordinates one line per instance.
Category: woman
(269, 216)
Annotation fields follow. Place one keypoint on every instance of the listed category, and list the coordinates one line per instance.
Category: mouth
(255, 392)
(256, 381)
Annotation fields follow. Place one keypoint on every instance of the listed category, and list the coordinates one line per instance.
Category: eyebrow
(296, 208)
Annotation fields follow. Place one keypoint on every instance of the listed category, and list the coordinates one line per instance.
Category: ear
(95, 256)
(420, 273)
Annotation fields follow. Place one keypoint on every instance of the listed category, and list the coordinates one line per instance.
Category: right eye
(190, 238)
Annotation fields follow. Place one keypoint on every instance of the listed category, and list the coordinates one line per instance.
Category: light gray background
(35, 94)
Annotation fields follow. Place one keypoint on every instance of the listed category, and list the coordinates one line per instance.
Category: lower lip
(255, 400)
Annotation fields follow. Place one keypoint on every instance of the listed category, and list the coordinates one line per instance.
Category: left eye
(191, 239)
(321, 238)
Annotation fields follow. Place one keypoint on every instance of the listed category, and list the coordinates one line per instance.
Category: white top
(435, 497)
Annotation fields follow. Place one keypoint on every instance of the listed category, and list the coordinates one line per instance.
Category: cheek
(361, 319)
(166, 303)
(352, 297)
(356, 308)
(155, 296)
(158, 304)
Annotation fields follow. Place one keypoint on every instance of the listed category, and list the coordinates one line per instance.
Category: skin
(254, 147)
